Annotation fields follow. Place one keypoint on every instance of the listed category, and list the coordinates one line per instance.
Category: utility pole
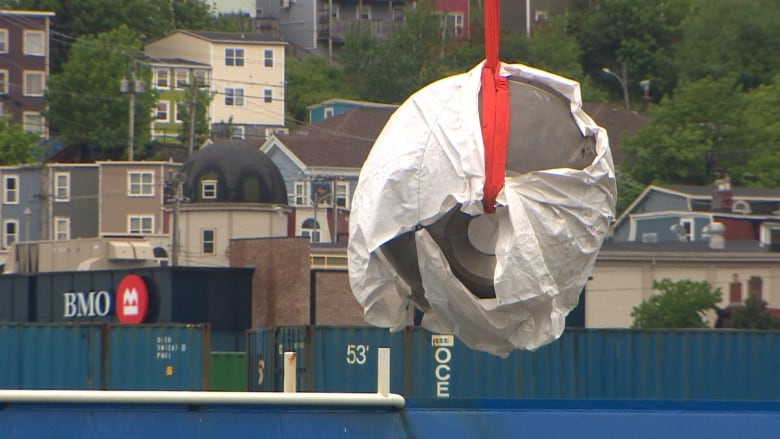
(193, 103)
(178, 182)
(131, 86)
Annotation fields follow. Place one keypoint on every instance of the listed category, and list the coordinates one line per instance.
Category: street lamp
(623, 80)
(645, 85)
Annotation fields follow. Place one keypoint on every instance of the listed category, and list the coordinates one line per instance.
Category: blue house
(332, 107)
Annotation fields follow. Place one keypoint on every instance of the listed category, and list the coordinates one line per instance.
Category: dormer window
(208, 189)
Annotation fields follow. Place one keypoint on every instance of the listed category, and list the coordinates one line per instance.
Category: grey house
(72, 201)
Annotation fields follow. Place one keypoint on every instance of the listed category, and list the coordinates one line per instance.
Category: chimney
(722, 197)
(755, 285)
(735, 290)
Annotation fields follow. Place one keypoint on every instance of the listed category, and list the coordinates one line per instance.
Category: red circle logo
(132, 300)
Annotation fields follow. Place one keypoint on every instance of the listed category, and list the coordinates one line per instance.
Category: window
(207, 241)
(398, 14)
(140, 184)
(268, 96)
(32, 122)
(234, 57)
(182, 78)
(34, 43)
(61, 186)
(687, 227)
(208, 189)
(237, 133)
(301, 194)
(61, 228)
(335, 11)
(540, 15)
(234, 97)
(3, 40)
(140, 224)
(10, 232)
(180, 106)
(34, 83)
(161, 78)
(363, 13)
(269, 58)
(311, 229)
(11, 189)
(4, 82)
(201, 77)
(162, 111)
(329, 111)
(342, 194)
(455, 24)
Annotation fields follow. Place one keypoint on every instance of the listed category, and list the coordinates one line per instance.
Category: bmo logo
(132, 300)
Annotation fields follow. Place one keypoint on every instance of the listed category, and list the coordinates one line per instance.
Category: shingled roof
(340, 141)
(617, 121)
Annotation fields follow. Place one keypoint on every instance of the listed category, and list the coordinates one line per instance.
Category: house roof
(733, 250)
(177, 62)
(351, 102)
(343, 140)
(233, 37)
(617, 121)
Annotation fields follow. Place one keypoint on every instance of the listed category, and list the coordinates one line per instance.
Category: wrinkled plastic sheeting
(551, 223)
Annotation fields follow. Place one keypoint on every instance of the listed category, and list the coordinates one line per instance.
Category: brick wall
(335, 303)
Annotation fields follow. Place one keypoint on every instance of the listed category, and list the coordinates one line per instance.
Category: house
(24, 67)
(319, 25)
(320, 164)
(332, 107)
(247, 78)
(523, 16)
(229, 191)
(685, 213)
(178, 83)
(131, 197)
(20, 206)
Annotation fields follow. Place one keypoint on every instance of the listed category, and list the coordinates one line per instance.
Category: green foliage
(679, 305)
(691, 138)
(86, 105)
(736, 38)
(310, 81)
(202, 100)
(16, 145)
(754, 315)
(628, 190)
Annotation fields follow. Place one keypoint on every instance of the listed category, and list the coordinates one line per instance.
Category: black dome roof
(242, 174)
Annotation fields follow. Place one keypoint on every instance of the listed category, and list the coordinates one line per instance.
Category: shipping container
(107, 357)
(582, 364)
(221, 297)
(228, 371)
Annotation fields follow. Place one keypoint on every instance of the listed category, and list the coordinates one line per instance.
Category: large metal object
(543, 135)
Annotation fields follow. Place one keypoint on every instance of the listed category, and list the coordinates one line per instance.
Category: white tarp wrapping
(428, 159)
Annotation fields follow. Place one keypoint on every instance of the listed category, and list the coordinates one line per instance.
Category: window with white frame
(455, 24)
(363, 13)
(62, 186)
(163, 111)
(182, 78)
(301, 194)
(11, 189)
(162, 77)
(10, 232)
(234, 57)
(268, 96)
(234, 97)
(34, 83)
(34, 43)
(208, 189)
(4, 82)
(342, 194)
(180, 106)
(32, 122)
(238, 133)
(310, 228)
(140, 183)
(61, 228)
(201, 77)
(269, 57)
(687, 227)
(328, 112)
(3, 40)
(140, 224)
(208, 241)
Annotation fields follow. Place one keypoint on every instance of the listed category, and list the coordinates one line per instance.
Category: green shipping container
(229, 371)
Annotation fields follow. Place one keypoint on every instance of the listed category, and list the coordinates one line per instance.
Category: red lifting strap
(495, 109)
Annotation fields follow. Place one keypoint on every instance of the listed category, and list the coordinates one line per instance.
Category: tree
(754, 315)
(202, 100)
(86, 106)
(16, 145)
(679, 305)
(731, 38)
(310, 81)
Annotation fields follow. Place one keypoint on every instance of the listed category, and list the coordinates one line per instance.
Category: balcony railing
(339, 27)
